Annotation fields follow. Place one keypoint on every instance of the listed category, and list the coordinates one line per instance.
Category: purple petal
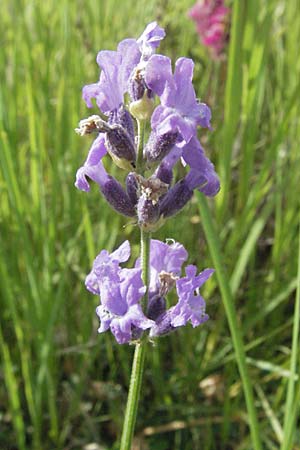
(110, 292)
(130, 57)
(105, 318)
(190, 307)
(131, 285)
(122, 253)
(112, 95)
(104, 258)
(204, 116)
(150, 39)
(90, 91)
(121, 327)
(202, 174)
(164, 257)
(158, 74)
(93, 167)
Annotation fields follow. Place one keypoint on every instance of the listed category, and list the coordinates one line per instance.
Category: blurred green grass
(62, 385)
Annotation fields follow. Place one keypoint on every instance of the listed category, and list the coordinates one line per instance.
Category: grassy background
(62, 385)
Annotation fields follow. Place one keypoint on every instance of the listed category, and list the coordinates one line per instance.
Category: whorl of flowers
(211, 18)
(132, 79)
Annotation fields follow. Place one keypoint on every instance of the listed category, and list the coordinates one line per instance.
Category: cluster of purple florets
(131, 81)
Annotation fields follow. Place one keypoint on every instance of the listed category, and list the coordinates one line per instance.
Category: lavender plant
(134, 301)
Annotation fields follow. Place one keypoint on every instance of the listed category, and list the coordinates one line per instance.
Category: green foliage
(62, 385)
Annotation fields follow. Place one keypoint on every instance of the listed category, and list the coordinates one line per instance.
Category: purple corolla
(166, 262)
(179, 112)
(120, 292)
(117, 67)
(110, 188)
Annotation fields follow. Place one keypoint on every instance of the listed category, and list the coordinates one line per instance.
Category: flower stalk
(140, 145)
(138, 359)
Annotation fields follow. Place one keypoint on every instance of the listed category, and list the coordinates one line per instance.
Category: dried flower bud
(90, 125)
(167, 282)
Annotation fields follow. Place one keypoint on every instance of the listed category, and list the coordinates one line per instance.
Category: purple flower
(110, 188)
(113, 83)
(165, 258)
(202, 174)
(180, 111)
(117, 67)
(190, 306)
(150, 39)
(120, 292)
(165, 268)
(104, 258)
(93, 167)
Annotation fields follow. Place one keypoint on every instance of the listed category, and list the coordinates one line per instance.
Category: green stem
(140, 145)
(214, 247)
(138, 359)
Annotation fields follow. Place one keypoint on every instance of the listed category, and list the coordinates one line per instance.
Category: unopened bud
(175, 199)
(158, 146)
(156, 307)
(114, 193)
(143, 108)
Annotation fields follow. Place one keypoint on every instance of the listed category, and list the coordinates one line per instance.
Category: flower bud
(164, 173)
(132, 187)
(147, 212)
(150, 191)
(121, 147)
(156, 307)
(117, 197)
(175, 199)
(142, 109)
(158, 146)
(122, 117)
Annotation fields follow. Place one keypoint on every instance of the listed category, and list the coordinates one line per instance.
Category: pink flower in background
(211, 17)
